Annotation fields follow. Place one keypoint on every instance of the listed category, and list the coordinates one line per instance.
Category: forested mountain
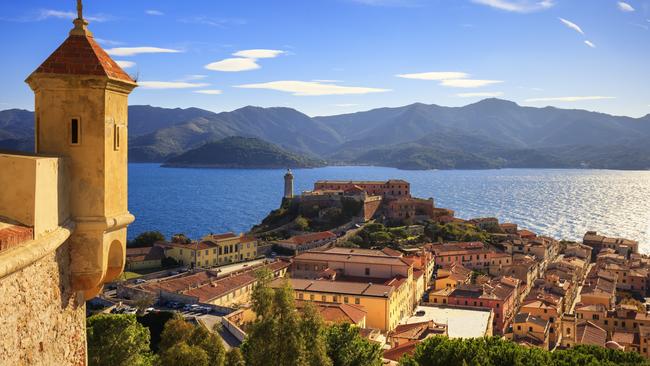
(492, 133)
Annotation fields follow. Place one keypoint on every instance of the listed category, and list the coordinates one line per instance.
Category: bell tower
(81, 108)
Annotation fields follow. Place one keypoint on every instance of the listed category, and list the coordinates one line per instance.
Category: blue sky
(337, 56)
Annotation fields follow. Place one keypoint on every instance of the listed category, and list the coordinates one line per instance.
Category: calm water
(560, 203)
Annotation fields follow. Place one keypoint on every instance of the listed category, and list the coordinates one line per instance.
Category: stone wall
(43, 320)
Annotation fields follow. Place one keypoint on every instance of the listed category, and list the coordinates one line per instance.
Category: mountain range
(492, 133)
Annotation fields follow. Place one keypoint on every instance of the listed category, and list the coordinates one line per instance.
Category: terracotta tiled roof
(144, 254)
(308, 238)
(81, 55)
(12, 235)
(351, 258)
(623, 338)
(398, 352)
(590, 333)
(336, 313)
(336, 287)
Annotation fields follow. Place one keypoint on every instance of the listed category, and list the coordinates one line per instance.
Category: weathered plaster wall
(43, 320)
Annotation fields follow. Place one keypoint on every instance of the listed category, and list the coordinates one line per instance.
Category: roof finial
(80, 24)
(80, 10)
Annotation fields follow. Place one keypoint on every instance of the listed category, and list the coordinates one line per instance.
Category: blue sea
(560, 203)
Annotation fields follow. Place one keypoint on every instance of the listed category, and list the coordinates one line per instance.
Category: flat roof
(461, 323)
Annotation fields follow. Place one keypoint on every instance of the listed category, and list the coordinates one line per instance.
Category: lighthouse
(288, 184)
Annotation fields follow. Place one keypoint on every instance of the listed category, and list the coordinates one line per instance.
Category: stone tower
(288, 184)
(81, 115)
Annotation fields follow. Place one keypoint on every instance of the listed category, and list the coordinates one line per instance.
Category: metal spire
(80, 24)
(79, 10)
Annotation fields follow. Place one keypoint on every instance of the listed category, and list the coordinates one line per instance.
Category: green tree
(181, 239)
(301, 223)
(235, 358)
(115, 340)
(146, 239)
(282, 336)
(180, 337)
(346, 347)
(182, 354)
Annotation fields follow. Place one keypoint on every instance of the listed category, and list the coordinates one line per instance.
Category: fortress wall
(43, 320)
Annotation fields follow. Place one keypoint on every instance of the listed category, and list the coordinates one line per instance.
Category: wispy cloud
(311, 88)
(480, 95)
(245, 60)
(44, 14)
(213, 22)
(154, 12)
(346, 105)
(568, 99)
(209, 91)
(572, 25)
(468, 83)
(518, 6)
(125, 64)
(590, 44)
(625, 7)
(233, 65)
(258, 53)
(132, 51)
(108, 42)
(435, 75)
(193, 77)
(170, 85)
(327, 81)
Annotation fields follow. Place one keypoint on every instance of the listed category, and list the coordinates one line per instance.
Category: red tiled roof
(308, 238)
(223, 236)
(336, 313)
(144, 254)
(81, 55)
(398, 352)
(13, 235)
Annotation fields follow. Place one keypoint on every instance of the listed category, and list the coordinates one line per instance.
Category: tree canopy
(183, 343)
(494, 351)
(116, 340)
(146, 239)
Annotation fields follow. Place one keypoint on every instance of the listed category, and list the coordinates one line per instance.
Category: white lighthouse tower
(288, 184)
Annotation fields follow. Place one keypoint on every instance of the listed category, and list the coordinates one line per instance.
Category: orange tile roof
(336, 313)
(12, 235)
(398, 352)
(308, 238)
(81, 55)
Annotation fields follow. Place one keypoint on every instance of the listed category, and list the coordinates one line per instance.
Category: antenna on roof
(79, 10)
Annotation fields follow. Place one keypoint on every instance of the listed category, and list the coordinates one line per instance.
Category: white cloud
(233, 65)
(258, 53)
(435, 75)
(154, 12)
(108, 42)
(193, 77)
(480, 95)
(60, 14)
(209, 91)
(590, 44)
(567, 99)
(125, 64)
(625, 7)
(518, 6)
(327, 81)
(468, 83)
(169, 85)
(572, 25)
(132, 51)
(346, 105)
(311, 88)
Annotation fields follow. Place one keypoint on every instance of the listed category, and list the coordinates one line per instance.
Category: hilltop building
(63, 210)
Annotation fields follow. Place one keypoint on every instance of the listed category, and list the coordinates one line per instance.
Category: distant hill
(492, 133)
(241, 152)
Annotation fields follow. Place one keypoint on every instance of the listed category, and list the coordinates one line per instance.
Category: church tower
(288, 184)
(81, 107)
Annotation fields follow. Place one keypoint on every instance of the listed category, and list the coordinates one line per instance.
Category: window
(300, 295)
(518, 327)
(311, 297)
(116, 137)
(75, 131)
(367, 271)
(568, 331)
(530, 329)
(346, 299)
(357, 300)
(324, 298)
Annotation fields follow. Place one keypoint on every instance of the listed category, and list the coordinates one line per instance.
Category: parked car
(420, 313)
(140, 280)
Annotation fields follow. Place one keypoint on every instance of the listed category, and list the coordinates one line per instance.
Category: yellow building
(63, 211)
(213, 250)
(385, 305)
